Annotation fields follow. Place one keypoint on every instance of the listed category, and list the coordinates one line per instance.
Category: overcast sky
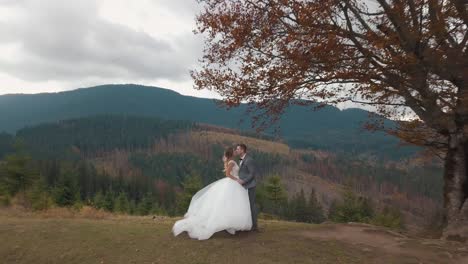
(57, 45)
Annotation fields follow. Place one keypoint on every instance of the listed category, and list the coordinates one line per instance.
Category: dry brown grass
(86, 212)
(232, 139)
(326, 191)
(319, 154)
(116, 162)
(32, 238)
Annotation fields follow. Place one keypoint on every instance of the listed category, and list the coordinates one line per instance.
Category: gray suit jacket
(247, 172)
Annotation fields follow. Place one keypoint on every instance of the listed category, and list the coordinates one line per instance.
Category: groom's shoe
(256, 229)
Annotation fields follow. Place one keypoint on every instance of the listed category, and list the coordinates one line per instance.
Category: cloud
(71, 41)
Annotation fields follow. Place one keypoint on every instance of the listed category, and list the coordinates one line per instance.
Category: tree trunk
(456, 188)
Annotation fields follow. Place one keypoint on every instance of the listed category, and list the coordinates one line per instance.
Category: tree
(389, 217)
(314, 209)
(6, 144)
(66, 191)
(39, 195)
(16, 174)
(275, 194)
(122, 205)
(191, 185)
(98, 201)
(299, 207)
(133, 207)
(405, 57)
(352, 208)
(145, 205)
(333, 210)
(303, 210)
(108, 201)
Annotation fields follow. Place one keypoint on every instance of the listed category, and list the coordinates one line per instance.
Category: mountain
(329, 128)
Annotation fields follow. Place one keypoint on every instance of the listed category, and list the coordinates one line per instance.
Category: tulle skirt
(222, 205)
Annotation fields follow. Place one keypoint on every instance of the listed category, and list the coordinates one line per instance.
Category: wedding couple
(227, 204)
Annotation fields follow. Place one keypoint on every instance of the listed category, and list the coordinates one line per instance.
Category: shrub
(390, 217)
(353, 208)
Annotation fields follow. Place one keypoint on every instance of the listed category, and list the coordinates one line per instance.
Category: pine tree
(145, 205)
(157, 209)
(108, 204)
(133, 207)
(275, 194)
(366, 208)
(299, 205)
(16, 174)
(98, 201)
(39, 196)
(66, 191)
(333, 211)
(191, 185)
(314, 208)
(121, 204)
(352, 209)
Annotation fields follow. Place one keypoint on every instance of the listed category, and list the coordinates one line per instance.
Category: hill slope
(328, 128)
(138, 155)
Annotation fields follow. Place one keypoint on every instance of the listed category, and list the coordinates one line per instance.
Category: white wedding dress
(222, 205)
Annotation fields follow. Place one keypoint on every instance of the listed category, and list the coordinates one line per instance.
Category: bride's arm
(230, 165)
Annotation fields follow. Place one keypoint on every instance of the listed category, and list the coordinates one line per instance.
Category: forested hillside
(329, 128)
(141, 165)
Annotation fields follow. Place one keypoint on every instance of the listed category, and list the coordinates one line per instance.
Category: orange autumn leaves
(408, 54)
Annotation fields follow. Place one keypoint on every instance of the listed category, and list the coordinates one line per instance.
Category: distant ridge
(329, 128)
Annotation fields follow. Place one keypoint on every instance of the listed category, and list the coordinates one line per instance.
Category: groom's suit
(247, 173)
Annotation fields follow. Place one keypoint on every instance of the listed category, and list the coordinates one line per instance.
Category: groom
(247, 179)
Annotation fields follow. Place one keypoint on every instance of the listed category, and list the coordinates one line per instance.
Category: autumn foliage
(402, 57)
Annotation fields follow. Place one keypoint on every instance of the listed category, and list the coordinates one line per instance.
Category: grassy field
(35, 238)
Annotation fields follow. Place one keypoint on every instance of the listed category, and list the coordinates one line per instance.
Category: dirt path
(391, 244)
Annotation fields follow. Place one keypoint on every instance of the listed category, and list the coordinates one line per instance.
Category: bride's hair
(228, 154)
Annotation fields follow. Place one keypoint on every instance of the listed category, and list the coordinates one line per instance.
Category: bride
(222, 205)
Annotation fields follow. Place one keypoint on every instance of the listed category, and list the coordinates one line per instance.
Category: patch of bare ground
(390, 245)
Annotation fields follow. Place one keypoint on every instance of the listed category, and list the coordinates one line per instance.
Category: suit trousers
(253, 207)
